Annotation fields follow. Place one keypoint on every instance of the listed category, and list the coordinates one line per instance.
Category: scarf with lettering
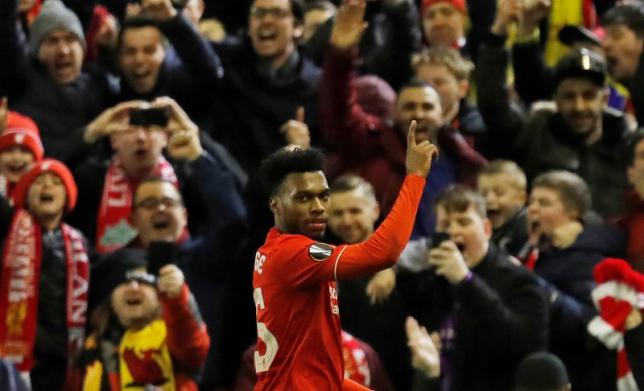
(114, 228)
(19, 285)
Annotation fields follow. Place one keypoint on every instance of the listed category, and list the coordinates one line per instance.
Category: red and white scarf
(19, 285)
(619, 290)
(114, 228)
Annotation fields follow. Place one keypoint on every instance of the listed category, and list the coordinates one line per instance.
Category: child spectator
(503, 185)
(568, 251)
(20, 148)
(45, 276)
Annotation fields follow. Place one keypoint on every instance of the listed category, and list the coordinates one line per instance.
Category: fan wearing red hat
(44, 279)
(444, 22)
(20, 147)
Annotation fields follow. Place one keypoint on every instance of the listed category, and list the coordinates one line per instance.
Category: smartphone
(161, 254)
(438, 238)
(158, 116)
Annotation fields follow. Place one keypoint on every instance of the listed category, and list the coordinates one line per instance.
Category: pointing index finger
(411, 136)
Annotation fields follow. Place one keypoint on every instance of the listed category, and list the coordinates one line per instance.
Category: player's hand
(4, 113)
(419, 156)
(295, 131)
(381, 285)
(170, 281)
(349, 24)
(424, 353)
(184, 141)
(448, 262)
(25, 5)
(112, 121)
(159, 10)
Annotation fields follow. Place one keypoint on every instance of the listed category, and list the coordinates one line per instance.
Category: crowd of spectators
(131, 201)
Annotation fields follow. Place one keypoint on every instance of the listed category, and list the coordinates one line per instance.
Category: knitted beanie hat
(54, 16)
(458, 4)
(22, 131)
(42, 167)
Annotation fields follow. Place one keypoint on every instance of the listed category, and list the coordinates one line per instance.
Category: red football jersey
(298, 319)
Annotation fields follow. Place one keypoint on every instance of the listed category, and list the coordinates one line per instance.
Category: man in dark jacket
(490, 312)
(266, 79)
(45, 80)
(581, 135)
(369, 145)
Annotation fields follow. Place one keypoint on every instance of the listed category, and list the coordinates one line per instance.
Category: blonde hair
(499, 166)
(447, 57)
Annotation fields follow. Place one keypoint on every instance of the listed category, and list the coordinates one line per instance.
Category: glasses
(153, 203)
(278, 13)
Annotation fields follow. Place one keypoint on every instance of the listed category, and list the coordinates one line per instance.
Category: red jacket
(368, 145)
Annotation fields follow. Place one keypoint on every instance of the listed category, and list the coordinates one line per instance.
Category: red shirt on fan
(297, 314)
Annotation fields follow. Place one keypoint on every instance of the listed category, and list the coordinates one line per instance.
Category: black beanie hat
(541, 371)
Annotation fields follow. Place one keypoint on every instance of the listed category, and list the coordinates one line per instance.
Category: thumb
(299, 114)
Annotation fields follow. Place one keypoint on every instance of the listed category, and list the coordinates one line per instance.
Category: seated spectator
(361, 364)
(45, 276)
(147, 332)
(106, 187)
(503, 185)
(623, 43)
(580, 135)
(20, 148)
(633, 220)
(567, 253)
(489, 311)
(353, 212)
(542, 371)
(368, 145)
(449, 73)
(44, 79)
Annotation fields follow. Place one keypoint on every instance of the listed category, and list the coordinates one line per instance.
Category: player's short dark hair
(288, 161)
(458, 198)
(350, 182)
(573, 190)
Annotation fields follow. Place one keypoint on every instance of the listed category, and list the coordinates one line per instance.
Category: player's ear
(273, 204)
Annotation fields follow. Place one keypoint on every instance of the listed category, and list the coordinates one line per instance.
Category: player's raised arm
(383, 248)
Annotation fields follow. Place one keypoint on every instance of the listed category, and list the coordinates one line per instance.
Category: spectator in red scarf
(45, 276)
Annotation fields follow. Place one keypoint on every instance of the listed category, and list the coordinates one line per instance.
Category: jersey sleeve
(301, 261)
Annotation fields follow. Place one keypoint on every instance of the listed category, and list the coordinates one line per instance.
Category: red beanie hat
(23, 131)
(44, 166)
(458, 4)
